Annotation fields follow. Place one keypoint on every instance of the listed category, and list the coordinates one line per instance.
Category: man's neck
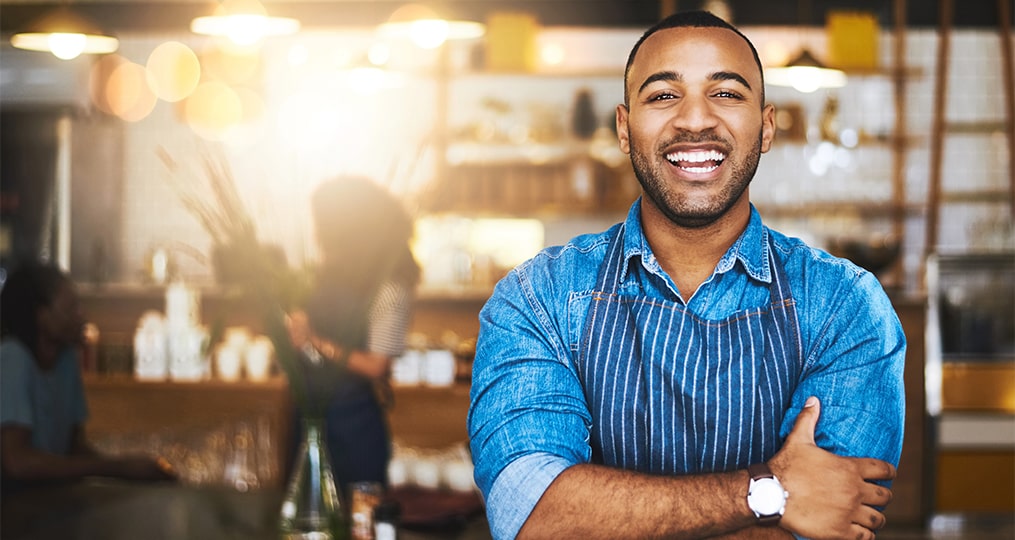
(689, 255)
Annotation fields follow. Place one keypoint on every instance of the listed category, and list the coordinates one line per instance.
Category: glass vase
(312, 508)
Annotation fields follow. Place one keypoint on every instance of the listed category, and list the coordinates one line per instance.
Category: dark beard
(668, 203)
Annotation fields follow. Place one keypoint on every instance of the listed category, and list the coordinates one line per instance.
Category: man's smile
(697, 161)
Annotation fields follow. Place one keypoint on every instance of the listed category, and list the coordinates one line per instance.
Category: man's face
(695, 126)
(61, 321)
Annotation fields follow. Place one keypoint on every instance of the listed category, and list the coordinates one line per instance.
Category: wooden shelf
(524, 188)
(990, 196)
(857, 208)
(906, 72)
(430, 417)
(888, 141)
(954, 127)
(466, 295)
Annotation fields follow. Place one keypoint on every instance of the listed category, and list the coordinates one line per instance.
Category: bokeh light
(173, 71)
(426, 28)
(128, 94)
(212, 110)
(774, 53)
(98, 80)
(231, 65)
(552, 54)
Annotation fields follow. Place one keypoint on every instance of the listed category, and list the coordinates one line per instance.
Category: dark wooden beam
(132, 16)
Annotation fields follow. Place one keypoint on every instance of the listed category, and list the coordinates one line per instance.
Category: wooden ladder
(940, 125)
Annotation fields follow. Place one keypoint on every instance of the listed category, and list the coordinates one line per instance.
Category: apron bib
(671, 393)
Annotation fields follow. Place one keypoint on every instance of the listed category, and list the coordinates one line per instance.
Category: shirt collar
(751, 249)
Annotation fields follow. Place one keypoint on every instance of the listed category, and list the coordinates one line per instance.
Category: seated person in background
(42, 401)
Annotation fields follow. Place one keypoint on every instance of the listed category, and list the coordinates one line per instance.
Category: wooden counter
(113, 510)
(199, 426)
(203, 427)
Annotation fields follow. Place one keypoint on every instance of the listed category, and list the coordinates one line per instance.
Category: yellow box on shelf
(852, 39)
(511, 41)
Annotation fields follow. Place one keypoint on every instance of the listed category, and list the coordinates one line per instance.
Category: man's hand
(829, 495)
(143, 468)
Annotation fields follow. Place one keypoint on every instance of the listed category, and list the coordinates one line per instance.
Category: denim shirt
(529, 421)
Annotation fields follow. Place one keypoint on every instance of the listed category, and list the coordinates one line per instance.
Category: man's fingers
(875, 469)
(869, 518)
(859, 532)
(876, 495)
(806, 422)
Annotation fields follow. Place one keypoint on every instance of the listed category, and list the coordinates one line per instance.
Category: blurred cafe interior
(130, 165)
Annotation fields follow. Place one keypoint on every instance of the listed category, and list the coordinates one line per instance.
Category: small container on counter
(228, 362)
(151, 357)
(386, 516)
(365, 498)
(257, 361)
(439, 368)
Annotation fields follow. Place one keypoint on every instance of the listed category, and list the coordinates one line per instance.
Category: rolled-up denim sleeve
(517, 489)
(856, 369)
(528, 420)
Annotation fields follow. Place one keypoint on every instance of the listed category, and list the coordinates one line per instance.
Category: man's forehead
(668, 49)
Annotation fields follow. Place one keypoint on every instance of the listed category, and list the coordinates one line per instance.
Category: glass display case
(970, 329)
(970, 380)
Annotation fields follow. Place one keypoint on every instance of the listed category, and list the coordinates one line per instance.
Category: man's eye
(663, 96)
(728, 94)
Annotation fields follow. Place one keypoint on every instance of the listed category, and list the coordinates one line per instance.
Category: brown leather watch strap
(759, 470)
(767, 521)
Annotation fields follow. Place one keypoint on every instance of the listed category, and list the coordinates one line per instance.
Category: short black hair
(29, 287)
(691, 19)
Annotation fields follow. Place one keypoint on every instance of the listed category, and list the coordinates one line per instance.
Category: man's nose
(695, 113)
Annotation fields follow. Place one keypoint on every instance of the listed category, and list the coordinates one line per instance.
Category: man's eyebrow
(674, 76)
(660, 76)
(730, 76)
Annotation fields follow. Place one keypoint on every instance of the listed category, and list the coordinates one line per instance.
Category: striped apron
(671, 393)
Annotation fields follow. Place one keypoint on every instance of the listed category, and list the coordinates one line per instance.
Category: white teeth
(696, 157)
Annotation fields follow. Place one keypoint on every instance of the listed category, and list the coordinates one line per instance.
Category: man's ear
(622, 135)
(767, 127)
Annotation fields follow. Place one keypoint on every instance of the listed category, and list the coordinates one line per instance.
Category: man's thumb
(806, 421)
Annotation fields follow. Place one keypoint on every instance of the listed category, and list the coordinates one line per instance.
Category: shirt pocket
(578, 304)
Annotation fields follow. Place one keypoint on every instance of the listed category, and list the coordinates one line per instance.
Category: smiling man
(689, 372)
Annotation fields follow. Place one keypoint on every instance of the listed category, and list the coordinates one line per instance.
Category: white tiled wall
(970, 161)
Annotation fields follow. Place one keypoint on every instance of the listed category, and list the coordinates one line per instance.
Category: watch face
(766, 497)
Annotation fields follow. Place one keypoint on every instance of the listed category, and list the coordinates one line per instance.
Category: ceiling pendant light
(426, 28)
(806, 74)
(244, 22)
(66, 34)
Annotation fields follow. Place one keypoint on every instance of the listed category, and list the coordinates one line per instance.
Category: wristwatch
(765, 495)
